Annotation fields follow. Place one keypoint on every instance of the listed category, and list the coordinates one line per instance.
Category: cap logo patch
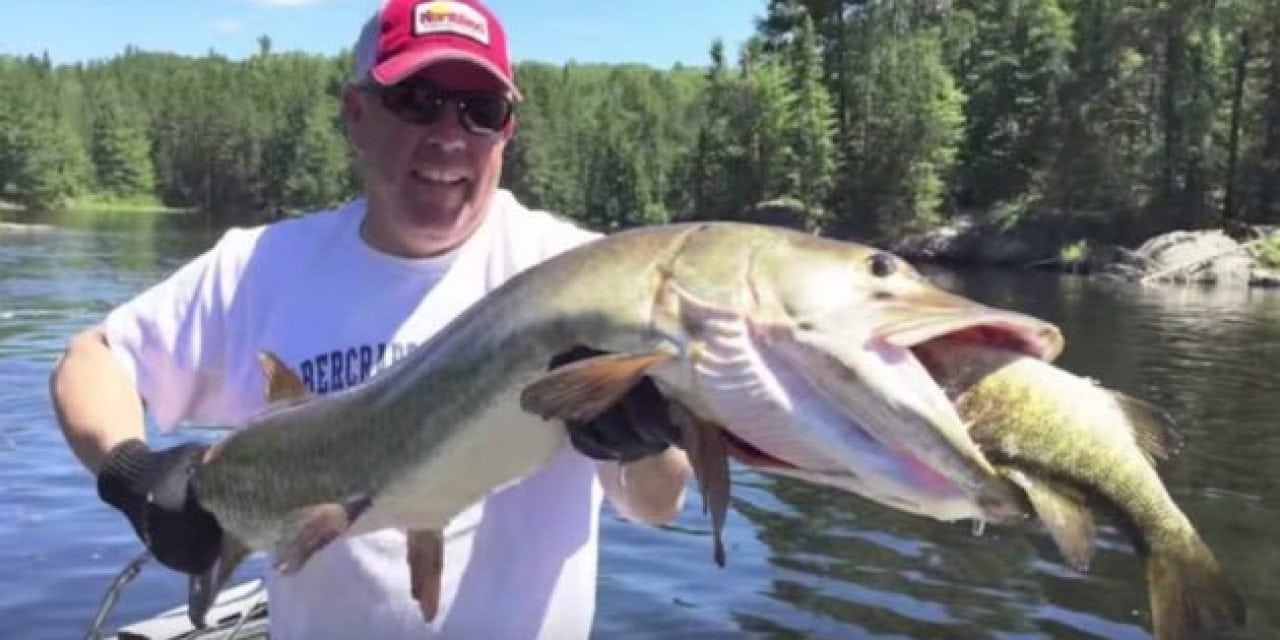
(442, 16)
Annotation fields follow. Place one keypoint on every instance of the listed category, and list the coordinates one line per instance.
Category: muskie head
(800, 349)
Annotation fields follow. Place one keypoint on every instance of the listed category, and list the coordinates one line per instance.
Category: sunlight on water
(803, 561)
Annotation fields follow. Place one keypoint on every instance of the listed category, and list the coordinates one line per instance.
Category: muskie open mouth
(995, 328)
(1019, 334)
(900, 343)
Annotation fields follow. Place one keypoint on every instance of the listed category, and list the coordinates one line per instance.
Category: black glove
(153, 490)
(635, 427)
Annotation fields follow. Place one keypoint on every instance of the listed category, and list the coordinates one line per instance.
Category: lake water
(802, 561)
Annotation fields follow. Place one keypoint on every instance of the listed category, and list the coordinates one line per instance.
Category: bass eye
(882, 265)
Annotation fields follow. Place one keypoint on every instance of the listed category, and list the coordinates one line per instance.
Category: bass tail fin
(204, 588)
(1190, 595)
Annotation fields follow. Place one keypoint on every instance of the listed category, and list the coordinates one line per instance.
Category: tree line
(1108, 118)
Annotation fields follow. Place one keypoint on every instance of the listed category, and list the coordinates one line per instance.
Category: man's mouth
(440, 177)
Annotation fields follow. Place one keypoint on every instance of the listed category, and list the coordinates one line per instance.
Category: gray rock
(1199, 257)
(953, 241)
(1264, 277)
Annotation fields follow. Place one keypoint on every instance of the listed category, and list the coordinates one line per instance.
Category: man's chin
(438, 201)
(437, 229)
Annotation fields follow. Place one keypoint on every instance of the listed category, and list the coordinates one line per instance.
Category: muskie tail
(1190, 595)
(204, 588)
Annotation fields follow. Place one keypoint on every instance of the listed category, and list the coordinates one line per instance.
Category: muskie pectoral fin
(204, 588)
(282, 383)
(309, 529)
(426, 566)
(583, 389)
(1064, 514)
(705, 445)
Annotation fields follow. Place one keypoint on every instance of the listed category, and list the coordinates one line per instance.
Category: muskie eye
(882, 265)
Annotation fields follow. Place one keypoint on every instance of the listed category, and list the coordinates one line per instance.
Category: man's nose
(447, 130)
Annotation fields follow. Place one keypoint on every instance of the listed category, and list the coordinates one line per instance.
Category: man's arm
(100, 413)
(649, 490)
(97, 405)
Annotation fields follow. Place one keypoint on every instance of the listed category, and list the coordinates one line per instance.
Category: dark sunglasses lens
(489, 112)
(412, 104)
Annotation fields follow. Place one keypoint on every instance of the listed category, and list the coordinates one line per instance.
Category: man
(339, 295)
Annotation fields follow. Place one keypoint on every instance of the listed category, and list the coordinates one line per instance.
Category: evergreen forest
(1114, 119)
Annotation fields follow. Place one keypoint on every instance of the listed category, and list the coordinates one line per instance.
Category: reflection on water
(803, 561)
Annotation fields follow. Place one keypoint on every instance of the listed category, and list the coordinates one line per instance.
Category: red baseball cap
(406, 36)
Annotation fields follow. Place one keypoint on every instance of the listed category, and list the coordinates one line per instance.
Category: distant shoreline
(93, 204)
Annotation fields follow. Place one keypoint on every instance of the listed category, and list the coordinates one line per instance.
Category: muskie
(1074, 447)
(782, 349)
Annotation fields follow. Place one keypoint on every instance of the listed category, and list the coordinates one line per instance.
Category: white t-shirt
(519, 564)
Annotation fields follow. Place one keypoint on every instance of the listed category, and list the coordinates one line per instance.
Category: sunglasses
(421, 103)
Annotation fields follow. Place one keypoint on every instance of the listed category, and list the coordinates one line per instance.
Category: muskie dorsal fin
(583, 389)
(283, 385)
(708, 455)
(1153, 429)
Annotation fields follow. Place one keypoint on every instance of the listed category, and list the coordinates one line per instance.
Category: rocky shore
(1245, 257)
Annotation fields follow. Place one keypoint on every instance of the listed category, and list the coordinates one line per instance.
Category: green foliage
(118, 144)
(42, 158)
(1010, 214)
(52, 166)
(1074, 253)
(713, 167)
(604, 144)
(1105, 157)
(1260, 149)
(1011, 70)
(103, 203)
(904, 132)
(813, 138)
(1268, 251)
(766, 122)
(312, 154)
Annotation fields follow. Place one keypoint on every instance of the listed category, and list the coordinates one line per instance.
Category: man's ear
(352, 106)
(510, 131)
(353, 112)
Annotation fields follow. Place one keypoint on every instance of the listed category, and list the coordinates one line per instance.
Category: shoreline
(1210, 257)
(93, 204)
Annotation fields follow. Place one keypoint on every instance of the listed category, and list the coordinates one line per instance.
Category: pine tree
(1260, 175)
(318, 157)
(903, 133)
(52, 165)
(766, 125)
(813, 140)
(711, 165)
(1011, 73)
(118, 144)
